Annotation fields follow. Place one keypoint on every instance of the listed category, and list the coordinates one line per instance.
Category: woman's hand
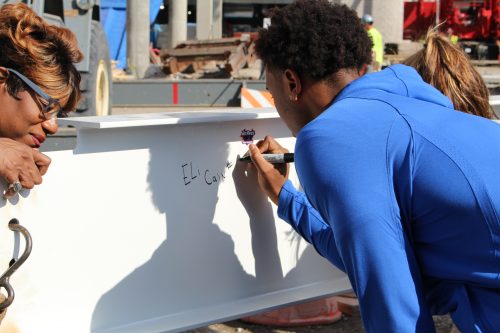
(271, 177)
(19, 162)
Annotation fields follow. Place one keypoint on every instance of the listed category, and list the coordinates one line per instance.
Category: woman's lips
(38, 140)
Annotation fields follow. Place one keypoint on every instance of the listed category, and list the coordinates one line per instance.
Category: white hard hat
(367, 18)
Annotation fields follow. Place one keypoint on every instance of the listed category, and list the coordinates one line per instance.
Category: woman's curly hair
(44, 53)
(314, 38)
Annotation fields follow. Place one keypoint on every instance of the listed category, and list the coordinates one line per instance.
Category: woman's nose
(50, 126)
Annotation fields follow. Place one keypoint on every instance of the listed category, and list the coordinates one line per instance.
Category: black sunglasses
(51, 108)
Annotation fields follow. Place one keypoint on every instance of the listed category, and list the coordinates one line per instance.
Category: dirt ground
(348, 324)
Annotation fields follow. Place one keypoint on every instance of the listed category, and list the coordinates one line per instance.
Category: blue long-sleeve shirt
(403, 193)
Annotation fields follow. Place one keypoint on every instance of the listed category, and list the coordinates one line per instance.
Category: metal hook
(14, 265)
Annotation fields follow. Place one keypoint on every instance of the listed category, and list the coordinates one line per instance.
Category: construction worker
(377, 41)
(452, 36)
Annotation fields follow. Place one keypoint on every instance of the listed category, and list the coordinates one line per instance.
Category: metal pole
(177, 22)
(137, 37)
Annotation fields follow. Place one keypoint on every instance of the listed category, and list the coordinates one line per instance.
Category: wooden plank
(199, 51)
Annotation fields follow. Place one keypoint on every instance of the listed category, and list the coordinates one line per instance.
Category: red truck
(475, 23)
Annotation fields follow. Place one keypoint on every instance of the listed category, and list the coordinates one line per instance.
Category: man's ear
(292, 81)
(3, 71)
(4, 74)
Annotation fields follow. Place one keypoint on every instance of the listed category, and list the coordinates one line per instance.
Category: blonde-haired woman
(445, 66)
(38, 82)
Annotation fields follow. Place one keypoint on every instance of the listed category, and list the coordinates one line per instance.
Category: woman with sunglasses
(38, 82)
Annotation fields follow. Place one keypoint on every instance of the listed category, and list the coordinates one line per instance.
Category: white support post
(204, 21)
(208, 19)
(137, 37)
(217, 19)
(177, 26)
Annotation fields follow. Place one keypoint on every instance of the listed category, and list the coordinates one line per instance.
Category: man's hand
(19, 162)
(271, 176)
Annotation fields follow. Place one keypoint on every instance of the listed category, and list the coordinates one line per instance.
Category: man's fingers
(263, 145)
(257, 159)
(269, 145)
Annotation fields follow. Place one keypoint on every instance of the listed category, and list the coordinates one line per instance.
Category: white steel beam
(151, 225)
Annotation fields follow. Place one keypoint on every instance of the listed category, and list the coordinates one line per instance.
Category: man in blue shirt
(401, 191)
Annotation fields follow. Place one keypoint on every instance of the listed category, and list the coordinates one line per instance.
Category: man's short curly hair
(314, 38)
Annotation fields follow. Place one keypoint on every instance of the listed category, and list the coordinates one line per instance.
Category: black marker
(272, 158)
